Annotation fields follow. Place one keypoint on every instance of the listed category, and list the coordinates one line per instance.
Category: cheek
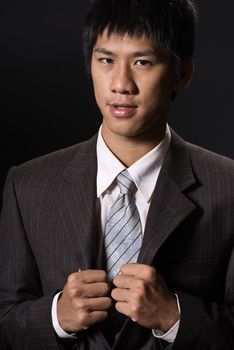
(150, 94)
(97, 89)
(100, 86)
(161, 92)
(157, 97)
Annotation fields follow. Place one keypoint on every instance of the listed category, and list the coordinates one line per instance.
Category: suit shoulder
(201, 154)
(50, 166)
(211, 166)
(200, 157)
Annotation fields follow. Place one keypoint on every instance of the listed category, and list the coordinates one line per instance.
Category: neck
(129, 149)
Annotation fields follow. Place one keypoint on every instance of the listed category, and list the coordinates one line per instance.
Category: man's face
(132, 86)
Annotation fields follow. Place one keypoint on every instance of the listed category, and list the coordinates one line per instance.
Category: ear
(185, 74)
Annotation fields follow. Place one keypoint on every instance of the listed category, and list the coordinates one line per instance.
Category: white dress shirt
(144, 173)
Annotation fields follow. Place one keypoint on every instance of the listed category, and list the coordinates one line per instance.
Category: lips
(122, 110)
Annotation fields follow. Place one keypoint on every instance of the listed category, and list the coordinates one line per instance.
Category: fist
(84, 301)
(142, 294)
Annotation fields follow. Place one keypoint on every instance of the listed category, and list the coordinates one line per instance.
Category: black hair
(170, 24)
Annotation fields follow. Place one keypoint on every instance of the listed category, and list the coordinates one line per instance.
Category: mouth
(122, 110)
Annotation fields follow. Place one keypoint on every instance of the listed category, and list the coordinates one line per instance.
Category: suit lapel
(168, 209)
(170, 205)
(76, 202)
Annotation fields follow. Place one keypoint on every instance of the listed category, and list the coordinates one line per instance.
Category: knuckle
(108, 302)
(134, 310)
(72, 278)
(83, 319)
(150, 274)
(81, 304)
(117, 306)
(72, 293)
(114, 293)
(103, 315)
(140, 286)
(106, 287)
(103, 275)
(79, 292)
(138, 298)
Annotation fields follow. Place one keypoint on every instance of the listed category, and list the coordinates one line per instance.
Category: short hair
(170, 24)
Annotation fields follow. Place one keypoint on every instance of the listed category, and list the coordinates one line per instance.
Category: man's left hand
(142, 294)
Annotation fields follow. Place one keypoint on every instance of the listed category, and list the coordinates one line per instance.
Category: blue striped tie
(123, 234)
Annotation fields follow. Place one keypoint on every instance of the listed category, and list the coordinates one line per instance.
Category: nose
(122, 81)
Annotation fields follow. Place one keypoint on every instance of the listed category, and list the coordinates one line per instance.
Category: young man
(126, 240)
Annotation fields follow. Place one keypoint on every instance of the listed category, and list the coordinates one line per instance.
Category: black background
(47, 101)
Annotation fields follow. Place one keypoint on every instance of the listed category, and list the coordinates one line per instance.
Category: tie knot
(125, 182)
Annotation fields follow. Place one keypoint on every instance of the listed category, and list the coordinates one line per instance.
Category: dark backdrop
(47, 101)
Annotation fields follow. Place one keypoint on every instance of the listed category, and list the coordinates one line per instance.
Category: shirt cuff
(58, 329)
(170, 335)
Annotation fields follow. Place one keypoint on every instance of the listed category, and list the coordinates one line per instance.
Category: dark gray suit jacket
(48, 231)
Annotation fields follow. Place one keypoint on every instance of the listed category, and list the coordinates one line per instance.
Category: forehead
(117, 42)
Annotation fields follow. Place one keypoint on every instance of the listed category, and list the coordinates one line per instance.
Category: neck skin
(129, 149)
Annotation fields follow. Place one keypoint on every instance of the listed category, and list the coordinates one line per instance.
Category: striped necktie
(123, 233)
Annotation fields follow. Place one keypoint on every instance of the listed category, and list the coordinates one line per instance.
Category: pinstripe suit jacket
(48, 230)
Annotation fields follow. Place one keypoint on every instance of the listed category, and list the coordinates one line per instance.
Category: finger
(124, 281)
(119, 294)
(92, 276)
(97, 316)
(136, 287)
(87, 319)
(123, 308)
(142, 271)
(92, 290)
(87, 276)
(98, 304)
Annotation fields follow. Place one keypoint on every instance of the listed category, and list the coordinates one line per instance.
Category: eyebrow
(142, 53)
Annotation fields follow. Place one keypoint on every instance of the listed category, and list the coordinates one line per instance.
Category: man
(168, 282)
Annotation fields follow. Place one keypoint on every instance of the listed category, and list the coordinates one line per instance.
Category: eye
(105, 60)
(143, 63)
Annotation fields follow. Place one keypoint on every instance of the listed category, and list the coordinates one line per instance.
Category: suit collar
(177, 164)
(84, 160)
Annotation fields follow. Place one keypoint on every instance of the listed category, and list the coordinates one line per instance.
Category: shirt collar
(108, 166)
(144, 171)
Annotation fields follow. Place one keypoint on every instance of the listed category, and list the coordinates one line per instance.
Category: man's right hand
(85, 300)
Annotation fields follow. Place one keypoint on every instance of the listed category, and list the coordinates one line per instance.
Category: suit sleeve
(205, 324)
(25, 313)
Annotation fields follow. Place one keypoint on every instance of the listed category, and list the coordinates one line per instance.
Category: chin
(127, 133)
